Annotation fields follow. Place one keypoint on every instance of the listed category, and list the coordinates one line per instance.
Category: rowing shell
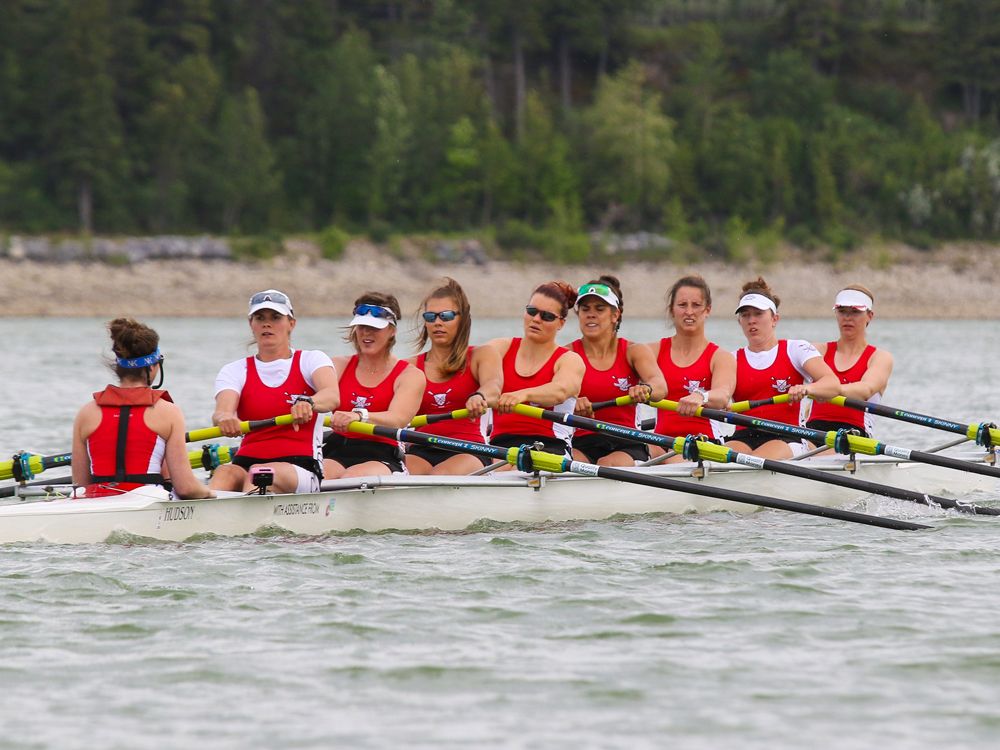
(447, 503)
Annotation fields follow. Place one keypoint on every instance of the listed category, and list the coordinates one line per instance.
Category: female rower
(376, 387)
(614, 366)
(862, 370)
(123, 438)
(697, 371)
(277, 380)
(538, 371)
(768, 366)
(458, 376)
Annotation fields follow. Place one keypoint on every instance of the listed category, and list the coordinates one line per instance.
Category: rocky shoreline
(957, 281)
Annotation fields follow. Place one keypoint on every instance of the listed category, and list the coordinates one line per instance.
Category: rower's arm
(644, 363)
(875, 380)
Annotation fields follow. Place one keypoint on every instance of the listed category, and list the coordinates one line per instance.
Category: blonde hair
(452, 290)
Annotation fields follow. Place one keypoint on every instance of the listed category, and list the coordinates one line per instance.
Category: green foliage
(257, 247)
(333, 241)
(824, 120)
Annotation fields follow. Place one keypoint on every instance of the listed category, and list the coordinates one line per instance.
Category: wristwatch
(307, 399)
(362, 414)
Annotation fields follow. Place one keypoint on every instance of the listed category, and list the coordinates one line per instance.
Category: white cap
(271, 299)
(853, 298)
(370, 320)
(757, 300)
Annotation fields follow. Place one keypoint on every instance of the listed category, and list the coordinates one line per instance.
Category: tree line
(821, 121)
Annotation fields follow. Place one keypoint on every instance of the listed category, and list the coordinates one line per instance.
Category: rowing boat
(402, 502)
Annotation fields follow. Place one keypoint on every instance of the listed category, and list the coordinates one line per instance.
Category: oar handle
(422, 420)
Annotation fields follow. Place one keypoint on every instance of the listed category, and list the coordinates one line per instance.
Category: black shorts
(434, 455)
(305, 462)
(350, 452)
(596, 447)
(756, 438)
(824, 425)
(550, 444)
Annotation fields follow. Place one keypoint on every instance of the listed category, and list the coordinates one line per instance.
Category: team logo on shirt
(693, 386)
(360, 402)
(440, 399)
(781, 385)
(622, 384)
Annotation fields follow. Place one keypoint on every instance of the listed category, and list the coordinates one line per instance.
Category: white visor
(589, 291)
(271, 299)
(371, 321)
(756, 300)
(853, 298)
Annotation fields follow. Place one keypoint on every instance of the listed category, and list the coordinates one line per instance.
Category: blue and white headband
(137, 363)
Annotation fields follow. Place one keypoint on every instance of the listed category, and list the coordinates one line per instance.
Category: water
(767, 631)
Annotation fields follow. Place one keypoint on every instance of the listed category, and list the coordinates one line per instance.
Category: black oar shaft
(765, 501)
(819, 438)
(778, 467)
(677, 485)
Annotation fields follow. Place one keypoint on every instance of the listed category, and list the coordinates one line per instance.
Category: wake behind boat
(401, 502)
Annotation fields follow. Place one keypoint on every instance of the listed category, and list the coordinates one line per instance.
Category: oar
(709, 451)
(209, 433)
(835, 440)
(31, 464)
(978, 432)
(26, 465)
(540, 460)
(422, 420)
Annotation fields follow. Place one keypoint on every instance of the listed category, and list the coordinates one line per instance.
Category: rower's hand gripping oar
(842, 441)
(532, 460)
(693, 449)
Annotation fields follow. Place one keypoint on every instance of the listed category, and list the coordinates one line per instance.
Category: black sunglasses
(445, 315)
(545, 315)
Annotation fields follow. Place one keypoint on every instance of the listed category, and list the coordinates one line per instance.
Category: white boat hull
(446, 503)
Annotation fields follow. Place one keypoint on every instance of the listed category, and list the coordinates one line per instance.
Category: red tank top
(258, 401)
(753, 384)
(142, 459)
(604, 385)
(373, 398)
(449, 395)
(681, 382)
(515, 424)
(828, 412)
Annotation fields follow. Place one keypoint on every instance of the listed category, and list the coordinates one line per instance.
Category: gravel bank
(955, 282)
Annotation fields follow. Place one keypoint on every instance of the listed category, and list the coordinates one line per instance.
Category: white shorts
(308, 482)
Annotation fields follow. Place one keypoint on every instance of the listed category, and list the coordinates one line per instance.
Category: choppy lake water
(764, 631)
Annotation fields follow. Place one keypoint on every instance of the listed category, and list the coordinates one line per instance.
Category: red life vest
(753, 384)
(515, 424)
(822, 410)
(373, 398)
(447, 396)
(604, 385)
(681, 382)
(258, 401)
(124, 452)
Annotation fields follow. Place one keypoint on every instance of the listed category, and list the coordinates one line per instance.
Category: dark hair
(382, 300)
(450, 289)
(695, 282)
(616, 287)
(130, 339)
(759, 286)
(561, 292)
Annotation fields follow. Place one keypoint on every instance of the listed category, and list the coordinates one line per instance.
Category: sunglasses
(278, 297)
(545, 315)
(376, 311)
(445, 315)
